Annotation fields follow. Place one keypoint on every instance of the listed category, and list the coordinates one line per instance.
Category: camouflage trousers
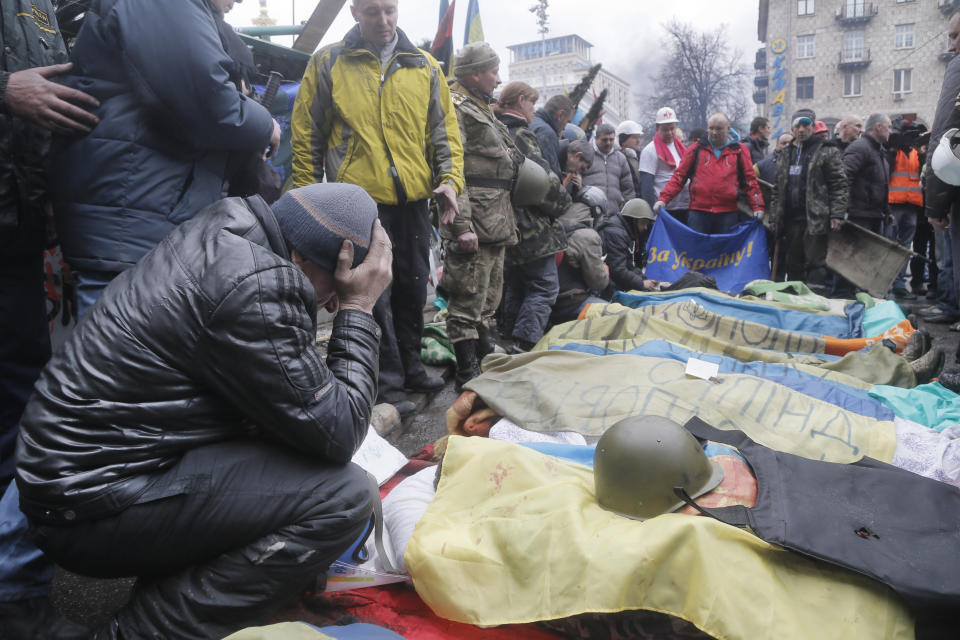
(474, 284)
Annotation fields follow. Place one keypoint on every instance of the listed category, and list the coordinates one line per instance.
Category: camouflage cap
(476, 57)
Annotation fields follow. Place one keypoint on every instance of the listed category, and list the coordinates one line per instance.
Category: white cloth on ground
(507, 431)
(927, 452)
(403, 507)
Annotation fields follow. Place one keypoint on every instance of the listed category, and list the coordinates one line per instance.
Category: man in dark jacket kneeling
(189, 431)
(624, 243)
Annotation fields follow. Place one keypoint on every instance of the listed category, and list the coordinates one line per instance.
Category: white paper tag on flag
(702, 369)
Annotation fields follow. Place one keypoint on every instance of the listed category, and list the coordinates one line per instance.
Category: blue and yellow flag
(734, 258)
(474, 29)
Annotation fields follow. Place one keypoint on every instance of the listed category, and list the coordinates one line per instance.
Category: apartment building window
(805, 88)
(804, 7)
(852, 84)
(902, 81)
(804, 46)
(856, 8)
(904, 37)
(853, 45)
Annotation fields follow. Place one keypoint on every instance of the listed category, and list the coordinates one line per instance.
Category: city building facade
(841, 57)
(556, 65)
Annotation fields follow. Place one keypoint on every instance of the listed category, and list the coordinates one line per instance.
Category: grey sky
(626, 34)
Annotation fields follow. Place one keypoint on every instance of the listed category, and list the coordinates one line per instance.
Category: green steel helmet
(532, 185)
(639, 209)
(641, 460)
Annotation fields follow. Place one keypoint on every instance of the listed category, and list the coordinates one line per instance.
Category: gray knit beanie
(475, 57)
(316, 219)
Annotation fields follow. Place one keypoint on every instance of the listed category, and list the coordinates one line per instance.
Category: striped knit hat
(316, 219)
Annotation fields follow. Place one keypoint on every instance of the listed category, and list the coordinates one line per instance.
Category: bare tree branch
(701, 75)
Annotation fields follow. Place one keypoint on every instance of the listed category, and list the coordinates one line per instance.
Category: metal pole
(274, 30)
(543, 58)
(316, 27)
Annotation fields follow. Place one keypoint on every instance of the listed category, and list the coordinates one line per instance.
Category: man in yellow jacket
(375, 111)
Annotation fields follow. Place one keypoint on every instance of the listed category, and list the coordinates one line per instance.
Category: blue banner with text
(734, 259)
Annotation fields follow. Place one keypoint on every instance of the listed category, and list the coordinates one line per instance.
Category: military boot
(918, 345)
(950, 379)
(928, 366)
(468, 367)
(485, 344)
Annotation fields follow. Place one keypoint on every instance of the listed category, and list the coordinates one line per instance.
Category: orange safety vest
(905, 179)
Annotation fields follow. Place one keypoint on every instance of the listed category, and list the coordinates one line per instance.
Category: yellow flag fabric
(538, 392)
(694, 318)
(619, 329)
(281, 631)
(759, 335)
(516, 536)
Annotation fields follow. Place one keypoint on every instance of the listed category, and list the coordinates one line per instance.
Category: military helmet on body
(641, 461)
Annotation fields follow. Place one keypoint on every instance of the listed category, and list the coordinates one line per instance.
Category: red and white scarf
(663, 151)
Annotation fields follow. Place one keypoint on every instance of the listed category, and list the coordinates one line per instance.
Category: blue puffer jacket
(169, 116)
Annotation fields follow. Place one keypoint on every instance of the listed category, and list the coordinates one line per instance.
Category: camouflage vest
(490, 162)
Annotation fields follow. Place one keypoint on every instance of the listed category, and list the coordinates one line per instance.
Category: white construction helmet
(666, 115)
(629, 128)
(946, 159)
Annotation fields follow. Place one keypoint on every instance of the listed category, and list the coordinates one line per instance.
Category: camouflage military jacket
(541, 234)
(826, 189)
(490, 161)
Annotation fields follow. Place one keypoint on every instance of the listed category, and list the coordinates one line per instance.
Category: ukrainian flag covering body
(517, 536)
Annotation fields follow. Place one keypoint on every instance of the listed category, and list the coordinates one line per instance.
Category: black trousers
(529, 293)
(805, 255)
(24, 348)
(220, 540)
(925, 244)
(399, 311)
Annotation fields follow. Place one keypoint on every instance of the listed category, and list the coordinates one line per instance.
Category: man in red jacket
(719, 170)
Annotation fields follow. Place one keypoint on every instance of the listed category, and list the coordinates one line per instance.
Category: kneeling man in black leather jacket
(189, 432)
